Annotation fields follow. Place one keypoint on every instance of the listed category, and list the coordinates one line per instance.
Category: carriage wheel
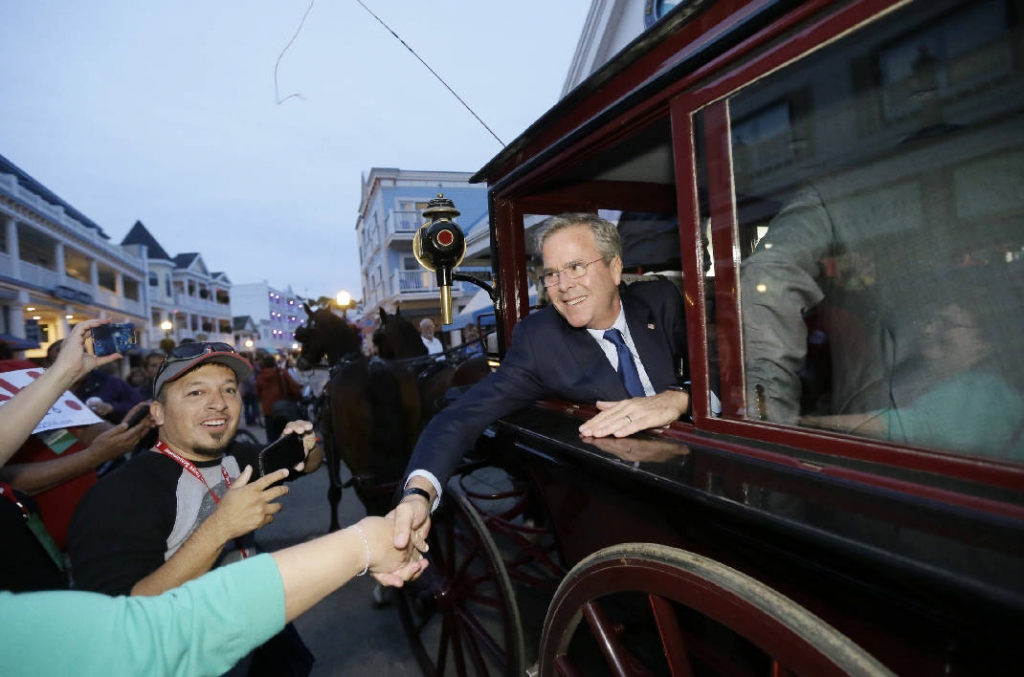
(461, 616)
(653, 610)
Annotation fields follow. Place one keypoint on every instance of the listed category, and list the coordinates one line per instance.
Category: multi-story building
(610, 26)
(58, 267)
(275, 313)
(183, 292)
(389, 215)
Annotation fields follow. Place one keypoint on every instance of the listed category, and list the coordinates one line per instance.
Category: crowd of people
(164, 573)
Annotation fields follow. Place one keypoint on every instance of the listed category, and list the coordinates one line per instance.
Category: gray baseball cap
(188, 356)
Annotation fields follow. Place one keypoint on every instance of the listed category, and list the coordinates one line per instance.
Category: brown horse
(369, 415)
(398, 340)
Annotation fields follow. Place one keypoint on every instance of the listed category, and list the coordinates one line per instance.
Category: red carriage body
(778, 536)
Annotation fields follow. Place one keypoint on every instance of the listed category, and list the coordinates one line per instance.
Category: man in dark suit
(616, 346)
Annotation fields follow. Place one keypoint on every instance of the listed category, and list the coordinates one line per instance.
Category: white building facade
(610, 26)
(276, 314)
(58, 268)
(183, 292)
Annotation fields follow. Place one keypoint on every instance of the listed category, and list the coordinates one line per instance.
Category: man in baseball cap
(191, 503)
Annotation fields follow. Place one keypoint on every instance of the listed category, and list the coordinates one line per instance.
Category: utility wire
(427, 66)
(277, 97)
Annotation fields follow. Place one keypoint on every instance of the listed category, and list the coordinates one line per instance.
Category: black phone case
(139, 415)
(286, 452)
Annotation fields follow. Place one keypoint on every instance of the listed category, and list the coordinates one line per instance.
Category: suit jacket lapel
(591, 360)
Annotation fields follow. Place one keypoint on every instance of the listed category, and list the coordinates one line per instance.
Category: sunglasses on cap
(190, 351)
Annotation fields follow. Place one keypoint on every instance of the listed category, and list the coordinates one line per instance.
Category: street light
(344, 302)
(167, 327)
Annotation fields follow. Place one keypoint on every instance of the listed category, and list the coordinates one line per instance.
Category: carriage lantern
(439, 245)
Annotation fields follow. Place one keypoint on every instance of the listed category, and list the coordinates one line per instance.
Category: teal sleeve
(971, 412)
(201, 628)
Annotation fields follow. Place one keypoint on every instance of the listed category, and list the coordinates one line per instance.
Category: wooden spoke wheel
(461, 616)
(654, 610)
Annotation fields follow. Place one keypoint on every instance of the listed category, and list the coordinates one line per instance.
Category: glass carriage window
(882, 274)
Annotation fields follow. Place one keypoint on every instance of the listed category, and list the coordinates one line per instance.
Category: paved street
(345, 633)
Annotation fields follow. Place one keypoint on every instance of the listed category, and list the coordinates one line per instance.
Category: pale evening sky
(166, 113)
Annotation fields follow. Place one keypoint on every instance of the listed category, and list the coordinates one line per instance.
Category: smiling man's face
(198, 413)
(590, 301)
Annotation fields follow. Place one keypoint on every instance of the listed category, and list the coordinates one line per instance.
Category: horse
(369, 415)
(398, 339)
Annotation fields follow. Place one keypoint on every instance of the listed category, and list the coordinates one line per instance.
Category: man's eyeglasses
(574, 270)
(190, 351)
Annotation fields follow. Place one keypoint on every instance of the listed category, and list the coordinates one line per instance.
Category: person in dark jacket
(273, 385)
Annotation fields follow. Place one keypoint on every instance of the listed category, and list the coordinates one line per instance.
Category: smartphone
(108, 339)
(139, 415)
(286, 452)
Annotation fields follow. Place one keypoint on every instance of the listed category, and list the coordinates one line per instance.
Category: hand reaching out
(120, 439)
(388, 564)
(410, 522)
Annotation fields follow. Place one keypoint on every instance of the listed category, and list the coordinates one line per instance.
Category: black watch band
(416, 491)
(689, 399)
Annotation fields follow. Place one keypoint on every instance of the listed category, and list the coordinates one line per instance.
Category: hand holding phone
(108, 339)
(136, 418)
(286, 452)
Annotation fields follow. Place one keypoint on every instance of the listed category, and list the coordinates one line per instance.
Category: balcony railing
(417, 281)
(195, 304)
(78, 285)
(402, 222)
(38, 276)
(414, 281)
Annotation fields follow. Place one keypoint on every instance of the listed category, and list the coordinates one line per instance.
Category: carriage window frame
(711, 100)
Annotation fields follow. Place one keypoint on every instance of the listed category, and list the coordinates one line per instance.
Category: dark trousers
(251, 409)
(274, 427)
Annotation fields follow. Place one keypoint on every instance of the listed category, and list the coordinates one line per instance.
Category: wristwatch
(416, 491)
(689, 400)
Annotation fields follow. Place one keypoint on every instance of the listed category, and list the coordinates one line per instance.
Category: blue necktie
(627, 367)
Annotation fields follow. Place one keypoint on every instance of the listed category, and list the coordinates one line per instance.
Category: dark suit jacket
(550, 359)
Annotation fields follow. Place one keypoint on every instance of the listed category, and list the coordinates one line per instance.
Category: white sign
(67, 412)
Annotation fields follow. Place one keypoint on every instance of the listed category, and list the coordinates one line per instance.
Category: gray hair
(606, 234)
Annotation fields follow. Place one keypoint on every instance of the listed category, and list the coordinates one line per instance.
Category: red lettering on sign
(10, 387)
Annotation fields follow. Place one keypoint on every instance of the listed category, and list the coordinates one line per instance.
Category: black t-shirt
(137, 517)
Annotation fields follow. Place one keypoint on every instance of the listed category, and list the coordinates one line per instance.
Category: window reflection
(882, 294)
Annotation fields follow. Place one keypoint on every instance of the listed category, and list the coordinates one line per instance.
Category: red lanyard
(6, 490)
(191, 469)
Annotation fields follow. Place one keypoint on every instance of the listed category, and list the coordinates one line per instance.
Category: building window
(131, 289)
(107, 277)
